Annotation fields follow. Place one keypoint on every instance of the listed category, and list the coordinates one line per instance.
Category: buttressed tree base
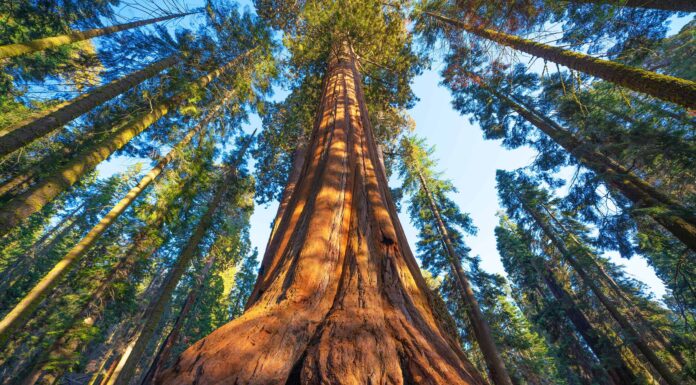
(339, 297)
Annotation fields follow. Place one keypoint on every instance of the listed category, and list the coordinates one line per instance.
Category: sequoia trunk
(340, 298)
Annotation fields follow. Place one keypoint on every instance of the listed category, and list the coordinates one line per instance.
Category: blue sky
(464, 156)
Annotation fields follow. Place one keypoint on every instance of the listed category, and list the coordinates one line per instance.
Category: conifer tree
(132, 274)
(35, 296)
(530, 272)
(13, 212)
(668, 88)
(24, 132)
(419, 177)
(17, 49)
(157, 306)
(672, 214)
(518, 346)
(523, 199)
(233, 219)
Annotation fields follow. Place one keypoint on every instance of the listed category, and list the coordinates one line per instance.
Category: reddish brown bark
(298, 159)
(341, 300)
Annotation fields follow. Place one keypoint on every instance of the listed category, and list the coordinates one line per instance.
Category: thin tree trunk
(482, 331)
(578, 359)
(343, 302)
(681, 116)
(157, 307)
(633, 336)
(57, 229)
(665, 87)
(610, 358)
(630, 305)
(39, 195)
(25, 262)
(129, 332)
(16, 184)
(17, 49)
(65, 344)
(165, 350)
(109, 373)
(26, 306)
(106, 361)
(27, 131)
(38, 250)
(665, 5)
(674, 217)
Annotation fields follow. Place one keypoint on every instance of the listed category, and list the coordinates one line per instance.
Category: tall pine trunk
(629, 304)
(25, 132)
(33, 200)
(482, 331)
(341, 299)
(610, 357)
(128, 334)
(165, 350)
(17, 183)
(673, 216)
(38, 251)
(665, 87)
(665, 5)
(27, 305)
(17, 49)
(158, 306)
(632, 335)
(44, 368)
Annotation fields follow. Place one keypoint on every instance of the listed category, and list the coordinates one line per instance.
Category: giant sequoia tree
(340, 297)
(146, 274)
